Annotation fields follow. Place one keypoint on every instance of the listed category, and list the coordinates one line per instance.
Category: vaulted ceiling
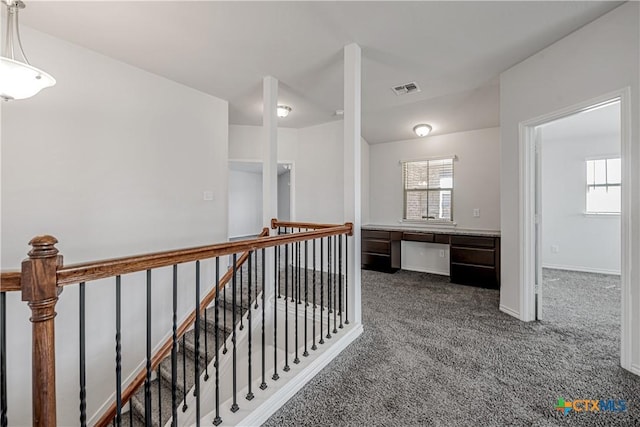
(454, 51)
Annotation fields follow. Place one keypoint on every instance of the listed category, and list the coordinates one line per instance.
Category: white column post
(352, 173)
(269, 168)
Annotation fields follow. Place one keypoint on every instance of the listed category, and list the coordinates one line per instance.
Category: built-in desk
(474, 254)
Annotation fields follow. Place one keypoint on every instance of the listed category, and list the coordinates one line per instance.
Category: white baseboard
(509, 311)
(282, 396)
(635, 369)
(581, 269)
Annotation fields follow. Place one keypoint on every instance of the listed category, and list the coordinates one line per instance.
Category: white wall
(582, 242)
(113, 161)
(316, 153)
(245, 203)
(476, 176)
(366, 176)
(595, 60)
(476, 185)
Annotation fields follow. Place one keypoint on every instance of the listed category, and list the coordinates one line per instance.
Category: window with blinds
(604, 182)
(428, 190)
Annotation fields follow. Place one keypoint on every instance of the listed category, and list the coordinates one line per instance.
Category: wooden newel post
(39, 289)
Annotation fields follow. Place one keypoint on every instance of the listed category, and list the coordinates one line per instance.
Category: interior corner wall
(113, 161)
(476, 176)
(572, 240)
(597, 59)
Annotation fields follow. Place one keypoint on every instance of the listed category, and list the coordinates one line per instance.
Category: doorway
(532, 225)
(578, 241)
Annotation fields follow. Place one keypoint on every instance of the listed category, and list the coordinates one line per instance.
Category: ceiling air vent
(406, 88)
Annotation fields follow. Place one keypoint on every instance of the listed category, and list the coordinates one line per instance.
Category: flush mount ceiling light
(422, 130)
(18, 79)
(283, 111)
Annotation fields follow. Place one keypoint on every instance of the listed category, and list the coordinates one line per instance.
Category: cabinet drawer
(375, 234)
(473, 256)
(473, 241)
(474, 275)
(375, 246)
(417, 237)
(441, 238)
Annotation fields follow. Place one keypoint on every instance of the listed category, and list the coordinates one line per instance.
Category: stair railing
(43, 276)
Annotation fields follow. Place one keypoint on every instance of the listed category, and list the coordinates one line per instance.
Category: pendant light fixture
(18, 79)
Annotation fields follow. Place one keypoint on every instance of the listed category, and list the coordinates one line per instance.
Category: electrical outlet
(476, 213)
(441, 253)
(555, 249)
(207, 195)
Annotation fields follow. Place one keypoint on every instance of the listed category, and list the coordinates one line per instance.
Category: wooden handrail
(85, 272)
(308, 225)
(165, 350)
(10, 281)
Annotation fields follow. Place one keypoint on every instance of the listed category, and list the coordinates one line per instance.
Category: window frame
(405, 191)
(605, 185)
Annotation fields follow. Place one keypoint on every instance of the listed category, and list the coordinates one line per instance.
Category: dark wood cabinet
(474, 260)
(381, 250)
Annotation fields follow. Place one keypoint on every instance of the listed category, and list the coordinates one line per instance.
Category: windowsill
(600, 214)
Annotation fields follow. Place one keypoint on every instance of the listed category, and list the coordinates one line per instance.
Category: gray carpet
(438, 354)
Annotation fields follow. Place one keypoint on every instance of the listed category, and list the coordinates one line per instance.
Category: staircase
(161, 393)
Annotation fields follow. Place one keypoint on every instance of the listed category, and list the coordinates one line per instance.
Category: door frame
(528, 176)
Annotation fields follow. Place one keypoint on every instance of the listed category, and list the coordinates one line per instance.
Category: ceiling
(455, 51)
(599, 122)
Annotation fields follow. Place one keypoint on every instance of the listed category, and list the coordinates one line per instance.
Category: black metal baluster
(174, 350)
(4, 419)
(306, 294)
(329, 279)
(293, 266)
(159, 395)
(263, 385)
(224, 319)
(217, 420)
(346, 280)
(249, 315)
(321, 341)
(118, 352)
(286, 367)
(255, 266)
(130, 413)
(341, 279)
(276, 253)
(184, 374)
(296, 289)
(276, 281)
(206, 346)
(234, 406)
(313, 323)
(196, 356)
(335, 284)
(83, 358)
(241, 306)
(147, 382)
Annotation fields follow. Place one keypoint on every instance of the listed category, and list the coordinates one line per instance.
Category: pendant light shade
(18, 79)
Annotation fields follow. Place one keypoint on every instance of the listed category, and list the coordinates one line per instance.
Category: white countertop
(444, 229)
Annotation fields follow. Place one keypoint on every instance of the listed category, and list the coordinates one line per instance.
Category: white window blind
(604, 182)
(428, 190)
